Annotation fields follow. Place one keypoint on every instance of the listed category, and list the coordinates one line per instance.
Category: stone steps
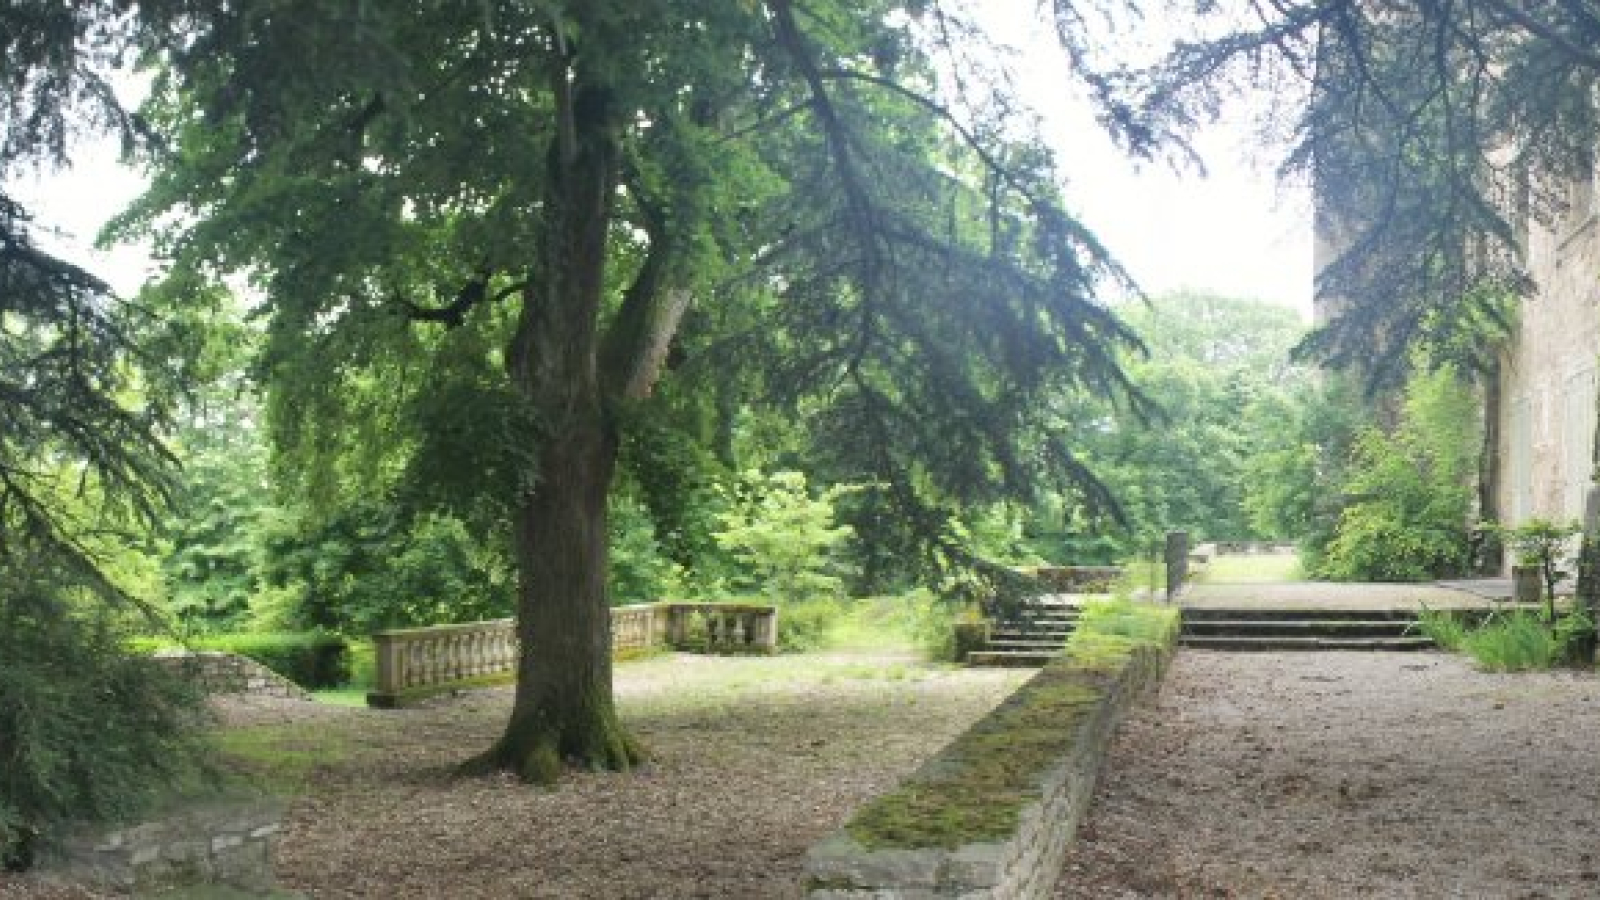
(1025, 642)
(1348, 628)
(1302, 629)
(1032, 636)
(1239, 642)
(1011, 658)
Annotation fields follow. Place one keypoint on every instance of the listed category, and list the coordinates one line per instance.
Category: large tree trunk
(563, 713)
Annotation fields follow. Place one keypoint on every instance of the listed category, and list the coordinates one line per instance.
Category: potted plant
(1540, 545)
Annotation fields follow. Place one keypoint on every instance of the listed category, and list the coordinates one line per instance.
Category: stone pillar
(1177, 557)
(767, 631)
(388, 652)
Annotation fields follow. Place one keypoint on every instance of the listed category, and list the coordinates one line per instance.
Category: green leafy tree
(478, 230)
(1220, 370)
(1431, 131)
(1544, 543)
(1297, 477)
(375, 565)
(640, 568)
(785, 538)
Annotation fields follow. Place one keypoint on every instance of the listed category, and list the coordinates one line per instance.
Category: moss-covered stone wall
(993, 813)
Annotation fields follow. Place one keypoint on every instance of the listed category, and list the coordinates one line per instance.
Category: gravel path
(754, 759)
(1326, 775)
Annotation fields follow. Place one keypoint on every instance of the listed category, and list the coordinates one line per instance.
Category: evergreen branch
(1578, 53)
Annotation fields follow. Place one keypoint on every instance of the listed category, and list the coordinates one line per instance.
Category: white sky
(1233, 232)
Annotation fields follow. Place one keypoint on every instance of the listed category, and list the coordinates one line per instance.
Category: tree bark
(1490, 555)
(563, 713)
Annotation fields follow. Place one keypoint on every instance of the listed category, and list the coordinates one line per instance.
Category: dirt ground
(1330, 775)
(1291, 775)
(754, 760)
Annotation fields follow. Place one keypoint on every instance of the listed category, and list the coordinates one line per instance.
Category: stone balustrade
(418, 661)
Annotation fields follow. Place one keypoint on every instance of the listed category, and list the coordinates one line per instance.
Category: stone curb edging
(222, 843)
(1025, 865)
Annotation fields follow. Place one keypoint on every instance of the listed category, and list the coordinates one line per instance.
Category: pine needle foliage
(88, 731)
(1433, 134)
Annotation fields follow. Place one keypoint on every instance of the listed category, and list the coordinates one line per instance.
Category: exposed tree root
(539, 753)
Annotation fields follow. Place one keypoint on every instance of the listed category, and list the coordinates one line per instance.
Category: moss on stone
(976, 789)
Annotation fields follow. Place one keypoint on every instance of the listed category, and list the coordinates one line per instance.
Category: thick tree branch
(454, 314)
(635, 348)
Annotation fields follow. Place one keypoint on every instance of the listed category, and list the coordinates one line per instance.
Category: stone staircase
(1302, 629)
(1032, 637)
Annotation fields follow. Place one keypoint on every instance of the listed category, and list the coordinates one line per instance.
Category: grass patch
(277, 759)
(1518, 642)
(1446, 629)
(1141, 623)
(344, 696)
(1514, 640)
(1255, 568)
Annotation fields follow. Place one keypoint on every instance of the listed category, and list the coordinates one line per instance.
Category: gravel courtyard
(755, 758)
(1329, 775)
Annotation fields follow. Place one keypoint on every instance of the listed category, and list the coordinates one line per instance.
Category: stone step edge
(1222, 642)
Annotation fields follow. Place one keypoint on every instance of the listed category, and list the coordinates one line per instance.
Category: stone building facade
(1541, 412)
(1545, 411)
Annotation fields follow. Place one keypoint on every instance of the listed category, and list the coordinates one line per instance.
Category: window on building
(1519, 460)
(1577, 439)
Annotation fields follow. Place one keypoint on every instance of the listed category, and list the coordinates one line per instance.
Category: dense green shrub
(809, 624)
(369, 567)
(640, 570)
(1410, 490)
(311, 659)
(88, 730)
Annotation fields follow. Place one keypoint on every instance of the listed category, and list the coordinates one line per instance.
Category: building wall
(1548, 373)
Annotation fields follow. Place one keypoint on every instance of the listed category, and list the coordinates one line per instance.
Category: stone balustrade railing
(414, 662)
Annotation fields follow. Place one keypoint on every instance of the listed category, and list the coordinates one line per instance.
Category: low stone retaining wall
(993, 814)
(226, 844)
(1247, 548)
(1075, 579)
(228, 673)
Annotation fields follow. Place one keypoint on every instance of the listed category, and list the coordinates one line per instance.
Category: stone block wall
(1544, 456)
(228, 673)
(1076, 579)
(229, 844)
(1023, 866)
